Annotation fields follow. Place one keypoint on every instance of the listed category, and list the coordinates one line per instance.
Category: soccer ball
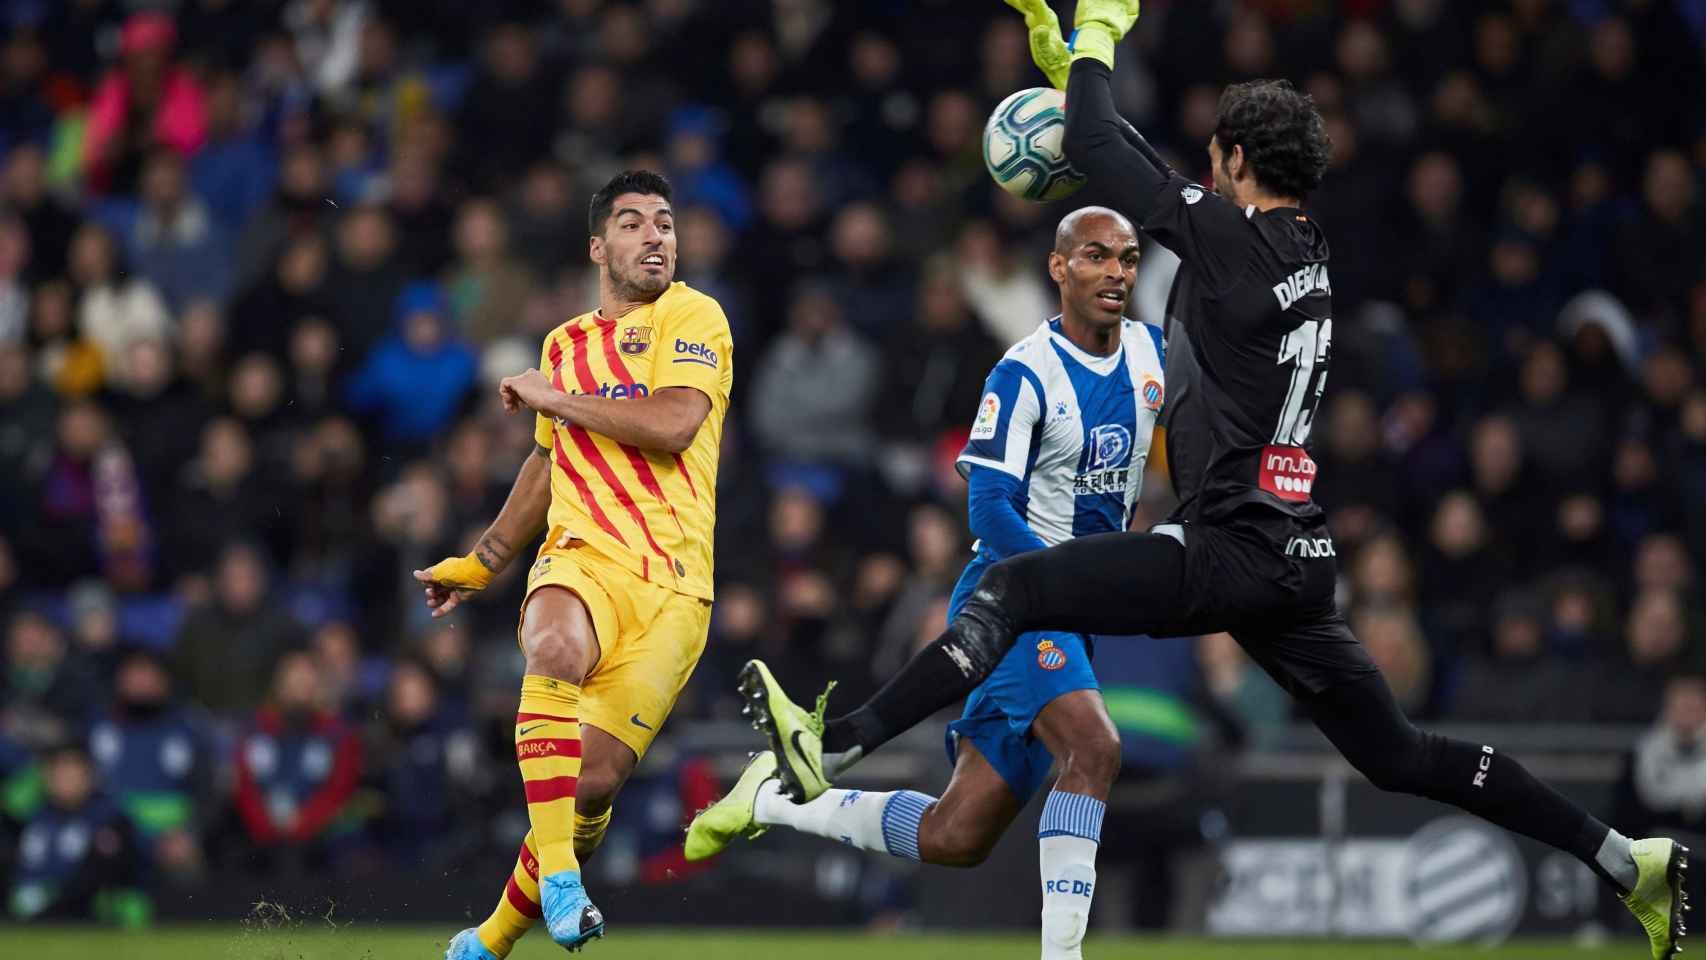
(1024, 146)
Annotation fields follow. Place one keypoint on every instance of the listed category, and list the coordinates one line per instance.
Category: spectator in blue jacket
(415, 380)
(176, 241)
(235, 170)
(426, 766)
(153, 754)
(77, 857)
(700, 175)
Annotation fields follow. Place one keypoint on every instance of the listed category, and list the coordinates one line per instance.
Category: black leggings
(1365, 723)
(1136, 583)
(1230, 577)
(1119, 584)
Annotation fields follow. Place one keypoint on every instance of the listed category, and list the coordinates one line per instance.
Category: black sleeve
(1193, 222)
(1142, 146)
(1107, 149)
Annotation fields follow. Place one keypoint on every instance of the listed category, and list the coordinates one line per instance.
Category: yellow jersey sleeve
(544, 431)
(698, 349)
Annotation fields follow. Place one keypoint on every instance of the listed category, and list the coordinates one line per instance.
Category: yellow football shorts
(649, 639)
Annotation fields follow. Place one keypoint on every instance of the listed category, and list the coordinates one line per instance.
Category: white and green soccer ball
(1024, 146)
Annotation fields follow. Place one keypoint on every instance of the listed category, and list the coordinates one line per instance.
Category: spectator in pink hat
(147, 102)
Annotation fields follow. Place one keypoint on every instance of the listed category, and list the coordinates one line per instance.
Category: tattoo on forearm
(492, 551)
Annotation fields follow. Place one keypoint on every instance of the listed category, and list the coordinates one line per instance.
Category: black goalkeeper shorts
(1264, 577)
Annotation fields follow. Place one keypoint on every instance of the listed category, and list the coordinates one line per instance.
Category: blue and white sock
(884, 822)
(1067, 838)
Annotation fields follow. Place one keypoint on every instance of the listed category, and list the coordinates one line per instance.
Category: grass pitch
(366, 942)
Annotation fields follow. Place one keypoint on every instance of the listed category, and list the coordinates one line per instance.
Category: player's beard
(640, 286)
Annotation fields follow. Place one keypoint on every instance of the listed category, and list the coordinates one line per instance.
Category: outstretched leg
(1363, 720)
(957, 830)
(961, 828)
(1112, 583)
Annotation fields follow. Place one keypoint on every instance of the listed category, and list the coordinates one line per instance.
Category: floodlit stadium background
(217, 454)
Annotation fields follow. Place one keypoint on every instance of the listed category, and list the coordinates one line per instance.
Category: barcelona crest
(635, 341)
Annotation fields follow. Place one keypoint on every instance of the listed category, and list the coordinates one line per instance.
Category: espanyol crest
(1151, 393)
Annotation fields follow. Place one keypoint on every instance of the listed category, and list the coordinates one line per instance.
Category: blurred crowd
(262, 263)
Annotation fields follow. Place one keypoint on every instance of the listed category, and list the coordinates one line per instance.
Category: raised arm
(1107, 149)
(1198, 225)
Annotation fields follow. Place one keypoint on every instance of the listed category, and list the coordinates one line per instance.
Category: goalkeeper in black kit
(1249, 331)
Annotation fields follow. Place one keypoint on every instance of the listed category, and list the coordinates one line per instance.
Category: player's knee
(960, 846)
(951, 836)
(554, 651)
(985, 627)
(595, 791)
(1092, 763)
(1099, 757)
(1000, 582)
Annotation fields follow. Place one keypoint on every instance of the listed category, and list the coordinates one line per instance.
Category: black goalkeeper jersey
(1249, 332)
(1249, 322)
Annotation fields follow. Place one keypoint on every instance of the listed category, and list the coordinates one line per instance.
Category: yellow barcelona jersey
(651, 512)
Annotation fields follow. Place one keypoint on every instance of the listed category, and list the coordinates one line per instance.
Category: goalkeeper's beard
(637, 287)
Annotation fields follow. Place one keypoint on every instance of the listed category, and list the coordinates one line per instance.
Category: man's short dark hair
(628, 181)
(1284, 138)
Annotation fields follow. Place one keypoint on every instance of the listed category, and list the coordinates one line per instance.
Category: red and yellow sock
(518, 908)
(548, 748)
(589, 833)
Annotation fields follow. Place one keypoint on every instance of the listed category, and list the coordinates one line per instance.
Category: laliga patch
(988, 413)
(1151, 393)
(1049, 656)
(541, 567)
(1191, 193)
(635, 341)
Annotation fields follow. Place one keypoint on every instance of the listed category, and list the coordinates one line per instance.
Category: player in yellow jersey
(629, 401)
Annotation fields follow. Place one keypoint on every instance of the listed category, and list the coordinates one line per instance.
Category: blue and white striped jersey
(1072, 428)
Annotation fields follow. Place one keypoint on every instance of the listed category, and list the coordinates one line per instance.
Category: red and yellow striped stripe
(643, 509)
(589, 449)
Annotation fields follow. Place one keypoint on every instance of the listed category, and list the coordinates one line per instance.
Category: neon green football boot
(795, 733)
(731, 817)
(1659, 900)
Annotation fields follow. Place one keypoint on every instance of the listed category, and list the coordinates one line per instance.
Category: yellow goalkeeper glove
(1099, 25)
(460, 573)
(1048, 49)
